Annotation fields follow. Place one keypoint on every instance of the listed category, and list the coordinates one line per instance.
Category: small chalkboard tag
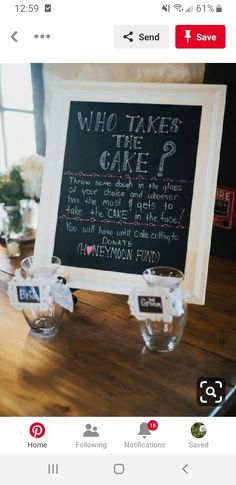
(30, 293)
(159, 303)
(150, 304)
(38, 293)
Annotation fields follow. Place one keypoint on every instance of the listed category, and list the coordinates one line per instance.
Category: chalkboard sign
(130, 182)
(127, 185)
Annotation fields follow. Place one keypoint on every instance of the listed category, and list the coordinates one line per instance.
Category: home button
(119, 469)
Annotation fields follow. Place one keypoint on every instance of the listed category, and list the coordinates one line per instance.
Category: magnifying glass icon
(210, 391)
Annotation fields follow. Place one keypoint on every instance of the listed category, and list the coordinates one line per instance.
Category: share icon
(128, 36)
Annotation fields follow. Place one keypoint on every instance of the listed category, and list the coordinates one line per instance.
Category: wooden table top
(97, 364)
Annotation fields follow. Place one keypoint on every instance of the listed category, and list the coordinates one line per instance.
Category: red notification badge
(152, 425)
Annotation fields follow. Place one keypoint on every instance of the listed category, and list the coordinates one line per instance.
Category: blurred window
(18, 113)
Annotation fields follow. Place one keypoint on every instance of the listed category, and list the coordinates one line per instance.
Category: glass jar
(29, 211)
(12, 222)
(43, 323)
(160, 334)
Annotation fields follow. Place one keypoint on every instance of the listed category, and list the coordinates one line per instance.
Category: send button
(141, 36)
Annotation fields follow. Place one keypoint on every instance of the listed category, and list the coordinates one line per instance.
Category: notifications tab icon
(200, 36)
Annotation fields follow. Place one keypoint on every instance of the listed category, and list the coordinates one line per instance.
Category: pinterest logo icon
(37, 430)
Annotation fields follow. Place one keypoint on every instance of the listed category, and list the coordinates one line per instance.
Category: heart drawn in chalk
(89, 250)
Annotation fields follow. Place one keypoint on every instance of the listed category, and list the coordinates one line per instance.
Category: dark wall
(38, 101)
(224, 240)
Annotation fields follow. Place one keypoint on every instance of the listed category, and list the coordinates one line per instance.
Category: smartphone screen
(117, 242)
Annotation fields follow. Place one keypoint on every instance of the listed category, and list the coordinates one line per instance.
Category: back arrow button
(13, 36)
(184, 469)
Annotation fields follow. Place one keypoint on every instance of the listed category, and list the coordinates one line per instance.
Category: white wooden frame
(212, 100)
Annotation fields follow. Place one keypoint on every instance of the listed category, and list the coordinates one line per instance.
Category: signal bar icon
(189, 9)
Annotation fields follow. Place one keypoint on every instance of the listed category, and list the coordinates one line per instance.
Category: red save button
(200, 36)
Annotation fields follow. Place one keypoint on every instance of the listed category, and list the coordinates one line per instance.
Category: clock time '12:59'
(27, 8)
